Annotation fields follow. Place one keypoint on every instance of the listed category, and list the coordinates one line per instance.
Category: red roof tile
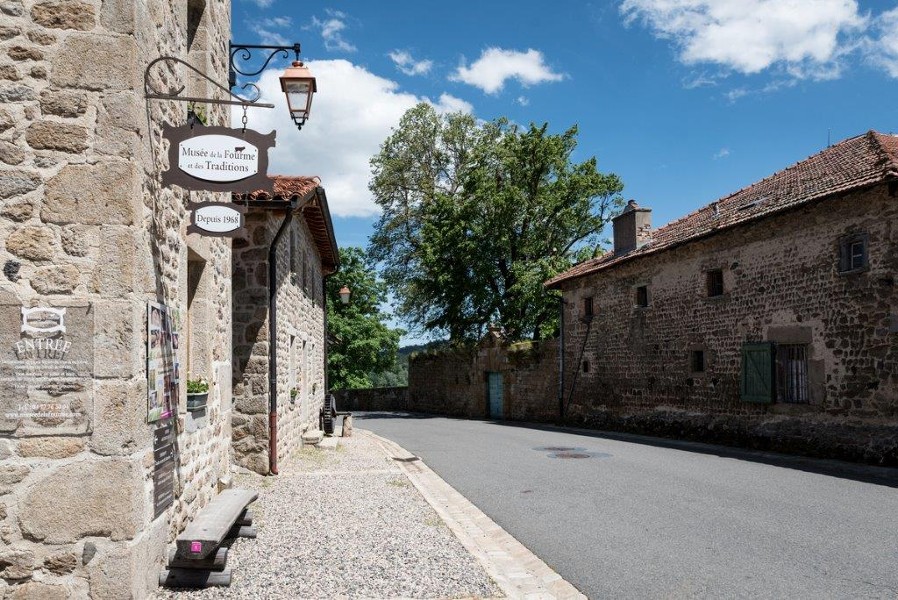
(285, 188)
(853, 163)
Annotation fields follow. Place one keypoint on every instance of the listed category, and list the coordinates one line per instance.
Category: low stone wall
(453, 383)
(375, 399)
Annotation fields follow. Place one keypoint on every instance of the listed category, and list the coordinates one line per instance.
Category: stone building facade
(768, 318)
(85, 226)
(305, 253)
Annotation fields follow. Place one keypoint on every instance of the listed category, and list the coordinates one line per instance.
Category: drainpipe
(272, 342)
(326, 348)
(561, 358)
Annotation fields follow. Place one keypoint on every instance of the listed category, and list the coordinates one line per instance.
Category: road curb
(519, 572)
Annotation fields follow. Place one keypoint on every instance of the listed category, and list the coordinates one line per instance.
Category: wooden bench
(198, 559)
(203, 537)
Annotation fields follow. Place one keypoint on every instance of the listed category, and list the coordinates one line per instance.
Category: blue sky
(685, 100)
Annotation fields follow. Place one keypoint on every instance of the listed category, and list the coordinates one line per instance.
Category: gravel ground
(345, 523)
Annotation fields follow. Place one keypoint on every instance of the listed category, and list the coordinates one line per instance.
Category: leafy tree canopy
(476, 216)
(360, 342)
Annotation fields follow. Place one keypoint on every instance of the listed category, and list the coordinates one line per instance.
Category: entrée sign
(220, 219)
(217, 159)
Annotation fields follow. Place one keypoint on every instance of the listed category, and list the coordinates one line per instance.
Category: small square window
(587, 308)
(853, 253)
(642, 296)
(715, 283)
(697, 361)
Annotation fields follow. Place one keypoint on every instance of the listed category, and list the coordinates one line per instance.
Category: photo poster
(163, 369)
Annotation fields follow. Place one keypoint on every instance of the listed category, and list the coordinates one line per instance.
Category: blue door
(494, 393)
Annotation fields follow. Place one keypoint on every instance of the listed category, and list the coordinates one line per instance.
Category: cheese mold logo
(43, 320)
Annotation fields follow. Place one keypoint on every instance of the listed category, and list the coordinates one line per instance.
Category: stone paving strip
(519, 572)
(346, 523)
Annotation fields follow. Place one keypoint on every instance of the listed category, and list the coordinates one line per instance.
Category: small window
(586, 366)
(697, 361)
(587, 308)
(715, 283)
(853, 253)
(642, 296)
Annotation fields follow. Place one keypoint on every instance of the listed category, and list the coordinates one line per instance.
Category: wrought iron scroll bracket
(175, 94)
(245, 51)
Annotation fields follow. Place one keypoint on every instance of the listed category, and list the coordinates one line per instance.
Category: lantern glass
(298, 85)
(344, 294)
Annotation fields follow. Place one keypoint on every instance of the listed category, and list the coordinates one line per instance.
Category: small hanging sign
(217, 159)
(217, 219)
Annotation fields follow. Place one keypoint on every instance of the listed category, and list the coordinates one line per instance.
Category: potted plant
(197, 393)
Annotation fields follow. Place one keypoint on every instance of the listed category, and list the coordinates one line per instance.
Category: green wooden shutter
(758, 370)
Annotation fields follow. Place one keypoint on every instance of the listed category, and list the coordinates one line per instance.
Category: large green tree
(360, 341)
(476, 216)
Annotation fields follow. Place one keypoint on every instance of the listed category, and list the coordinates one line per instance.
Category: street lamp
(297, 82)
(298, 85)
(344, 294)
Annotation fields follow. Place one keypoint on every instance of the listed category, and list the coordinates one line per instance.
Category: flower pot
(197, 401)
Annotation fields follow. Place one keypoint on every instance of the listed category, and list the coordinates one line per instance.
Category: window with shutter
(758, 372)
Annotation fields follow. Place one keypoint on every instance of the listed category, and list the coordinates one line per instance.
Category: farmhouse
(768, 317)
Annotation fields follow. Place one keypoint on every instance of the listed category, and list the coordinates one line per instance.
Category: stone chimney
(632, 228)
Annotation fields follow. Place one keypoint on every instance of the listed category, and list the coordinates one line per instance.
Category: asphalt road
(639, 521)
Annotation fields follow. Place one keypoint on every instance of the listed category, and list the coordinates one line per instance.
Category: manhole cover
(559, 449)
(569, 455)
(577, 454)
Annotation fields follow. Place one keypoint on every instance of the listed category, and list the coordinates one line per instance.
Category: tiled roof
(316, 213)
(853, 163)
(285, 188)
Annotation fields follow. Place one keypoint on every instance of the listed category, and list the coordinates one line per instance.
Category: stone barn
(767, 318)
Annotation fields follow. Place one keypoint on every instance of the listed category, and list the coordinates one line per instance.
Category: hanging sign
(218, 219)
(217, 159)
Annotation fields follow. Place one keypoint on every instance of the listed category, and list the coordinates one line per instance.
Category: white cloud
(331, 29)
(735, 94)
(495, 66)
(722, 153)
(352, 114)
(408, 65)
(450, 104)
(522, 100)
(805, 37)
(882, 50)
(266, 30)
(262, 3)
(277, 22)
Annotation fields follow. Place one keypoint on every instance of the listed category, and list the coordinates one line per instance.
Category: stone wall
(84, 220)
(629, 366)
(300, 333)
(454, 382)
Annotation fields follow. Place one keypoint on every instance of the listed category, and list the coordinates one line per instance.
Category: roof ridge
(851, 163)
